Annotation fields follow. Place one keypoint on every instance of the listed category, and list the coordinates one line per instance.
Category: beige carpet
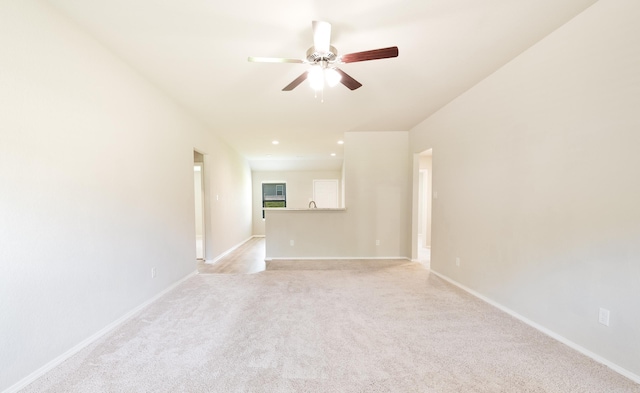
(377, 327)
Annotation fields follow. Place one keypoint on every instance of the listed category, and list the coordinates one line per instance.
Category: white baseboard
(329, 258)
(620, 370)
(84, 343)
(225, 253)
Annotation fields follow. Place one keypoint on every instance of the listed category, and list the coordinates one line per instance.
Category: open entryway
(198, 191)
(425, 200)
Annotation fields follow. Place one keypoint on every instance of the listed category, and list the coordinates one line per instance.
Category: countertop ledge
(304, 209)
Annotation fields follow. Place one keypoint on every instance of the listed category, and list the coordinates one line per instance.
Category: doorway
(425, 202)
(198, 192)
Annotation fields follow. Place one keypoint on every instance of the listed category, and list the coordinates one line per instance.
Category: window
(274, 195)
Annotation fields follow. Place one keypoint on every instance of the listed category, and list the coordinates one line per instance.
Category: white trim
(622, 371)
(328, 258)
(89, 340)
(225, 253)
(273, 181)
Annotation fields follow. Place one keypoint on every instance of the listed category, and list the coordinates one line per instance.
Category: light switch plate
(603, 316)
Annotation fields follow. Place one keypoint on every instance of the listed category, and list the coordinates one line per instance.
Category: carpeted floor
(376, 327)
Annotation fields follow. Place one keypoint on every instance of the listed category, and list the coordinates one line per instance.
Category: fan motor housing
(316, 57)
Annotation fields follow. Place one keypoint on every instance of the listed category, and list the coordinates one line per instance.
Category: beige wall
(378, 193)
(537, 174)
(96, 175)
(227, 185)
(299, 190)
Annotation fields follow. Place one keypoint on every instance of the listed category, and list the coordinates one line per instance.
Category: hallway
(248, 258)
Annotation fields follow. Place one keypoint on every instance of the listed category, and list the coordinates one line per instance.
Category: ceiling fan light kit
(323, 58)
(316, 78)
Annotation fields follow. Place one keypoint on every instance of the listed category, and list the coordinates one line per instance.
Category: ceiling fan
(324, 59)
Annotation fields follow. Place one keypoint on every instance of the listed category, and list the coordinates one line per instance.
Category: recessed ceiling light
(340, 142)
(275, 142)
(333, 154)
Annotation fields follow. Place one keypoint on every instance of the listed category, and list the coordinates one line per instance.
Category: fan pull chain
(315, 95)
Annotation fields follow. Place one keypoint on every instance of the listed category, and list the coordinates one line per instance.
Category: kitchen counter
(304, 209)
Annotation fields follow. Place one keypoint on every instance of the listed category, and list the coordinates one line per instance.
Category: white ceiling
(196, 51)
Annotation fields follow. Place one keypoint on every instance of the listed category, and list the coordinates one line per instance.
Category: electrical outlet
(377, 242)
(292, 243)
(153, 272)
(603, 316)
(457, 261)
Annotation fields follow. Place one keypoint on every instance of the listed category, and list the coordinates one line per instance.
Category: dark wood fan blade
(347, 80)
(296, 82)
(273, 60)
(375, 54)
